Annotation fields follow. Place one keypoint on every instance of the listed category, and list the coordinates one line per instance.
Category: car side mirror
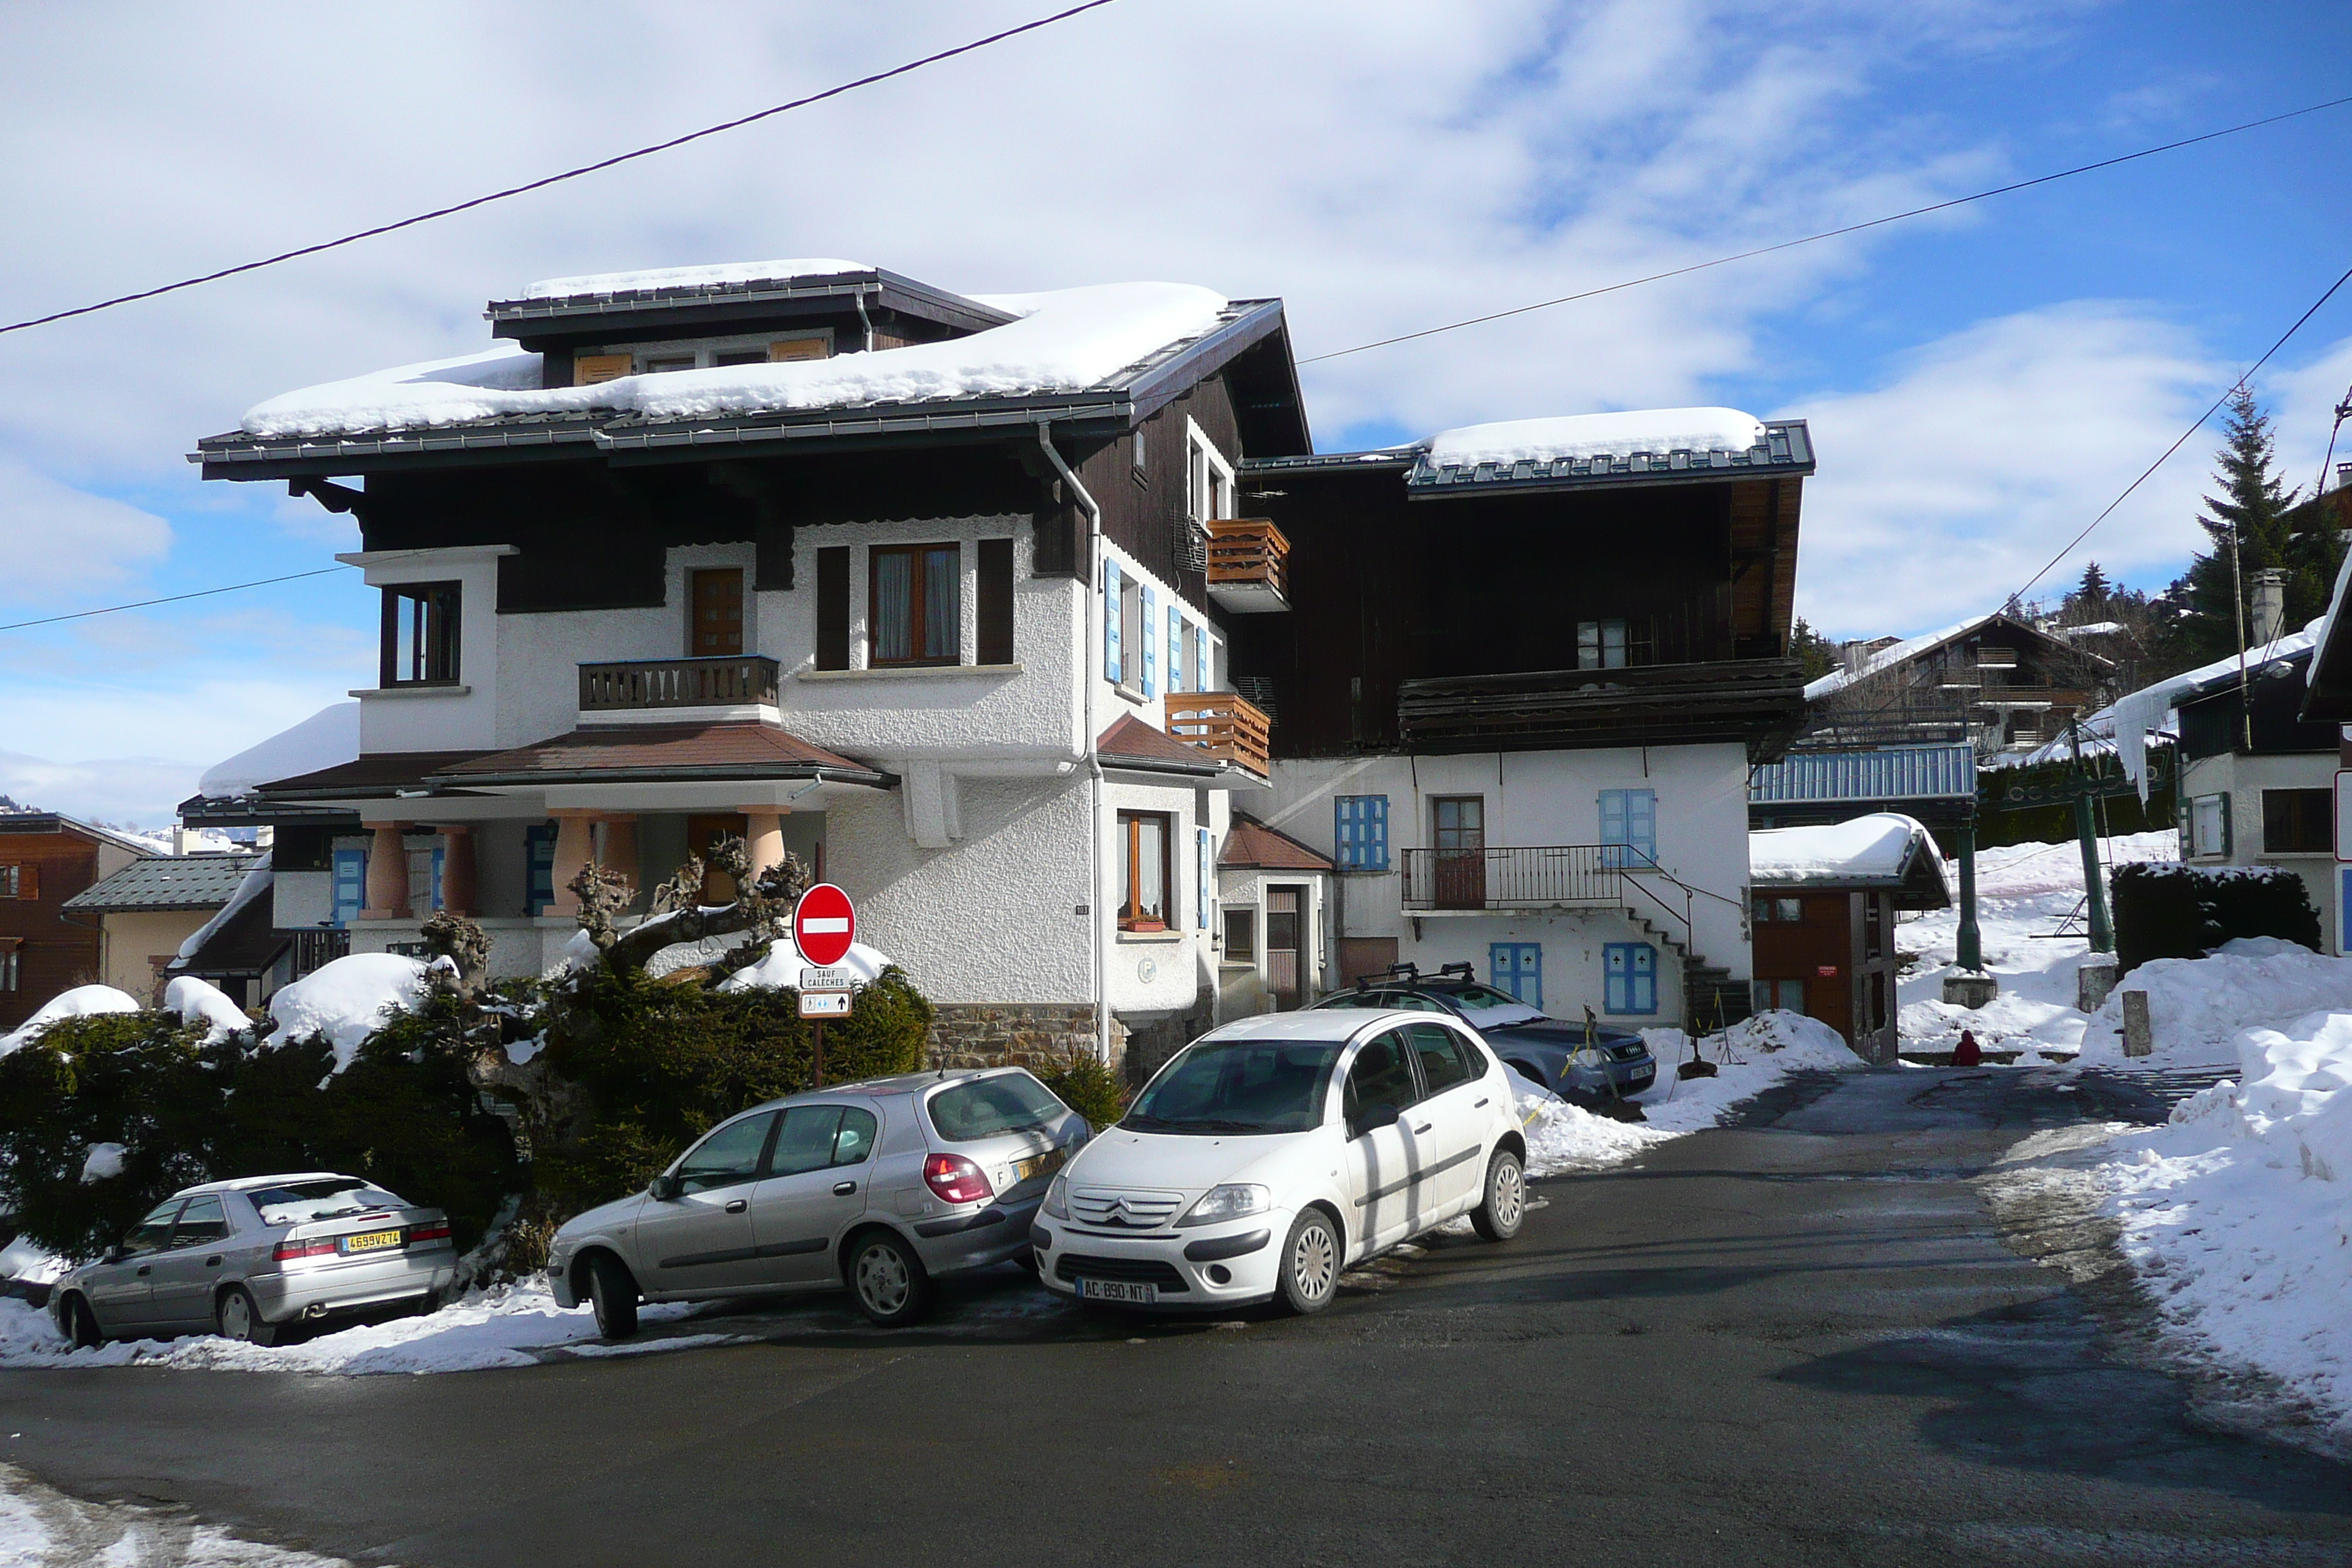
(1372, 1117)
(664, 1188)
(117, 1256)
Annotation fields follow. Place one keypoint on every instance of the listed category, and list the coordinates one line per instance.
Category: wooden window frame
(424, 595)
(11, 976)
(918, 587)
(1242, 917)
(12, 882)
(1130, 911)
(2288, 828)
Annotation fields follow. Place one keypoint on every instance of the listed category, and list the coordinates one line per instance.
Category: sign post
(824, 923)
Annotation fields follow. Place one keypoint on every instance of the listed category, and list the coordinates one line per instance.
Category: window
(1176, 681)
(1204, 875)
(424, 865)
(1629, 829)
(1208, 481)
(420, 634)
(857, 1141)
(833, 607)
(203, 1220)
(1517, 967)
(1600, 645)
(1142, 465)
(8, 945)
(2208, 824)
(1135, 651)
(916, 604)
(1360, 831)
(1874, 926)
(1442, 1063)
(807, 1139)
(1780, 911)
(1629, 977)
(659, 359)
(991, 1106)
(1241, 936)
(728, 1156)
(20, 881)
(539, 868)
(1379, 1086)
(1789, 995)
(1143, 878)
(2298, 821)
(154, 1233)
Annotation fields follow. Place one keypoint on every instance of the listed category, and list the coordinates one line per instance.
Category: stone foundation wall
(1025, 1034)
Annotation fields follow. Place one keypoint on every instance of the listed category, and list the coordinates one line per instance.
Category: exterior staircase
(1712, 999)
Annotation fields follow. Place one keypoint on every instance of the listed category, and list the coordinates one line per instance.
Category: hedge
(2186, 911)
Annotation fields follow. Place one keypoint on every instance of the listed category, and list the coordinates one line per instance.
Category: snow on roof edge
(649, 278)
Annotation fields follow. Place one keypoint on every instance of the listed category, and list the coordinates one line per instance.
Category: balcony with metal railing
(736, 680)
(1539, 876)
(1248, 567)
(1223, 724)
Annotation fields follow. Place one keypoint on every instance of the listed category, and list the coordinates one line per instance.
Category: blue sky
(1979, 384)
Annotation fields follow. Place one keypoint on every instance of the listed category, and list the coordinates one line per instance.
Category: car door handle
(142, 1268)
(1423, 1128)
(738, 1206)
(213, 1262)
(842, 1189)
(1482, 1105)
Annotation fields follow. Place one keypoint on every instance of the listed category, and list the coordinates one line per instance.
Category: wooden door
(717, 607)
(1283, 923)
(1460, 825)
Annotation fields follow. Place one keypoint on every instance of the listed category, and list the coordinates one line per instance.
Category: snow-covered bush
(2186, 911)
(81, 1002)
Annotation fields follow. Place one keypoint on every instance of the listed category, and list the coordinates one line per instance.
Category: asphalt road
(1797, 1340)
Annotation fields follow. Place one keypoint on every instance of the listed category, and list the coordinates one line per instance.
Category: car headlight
(1057, 1196)
(1232, 1200)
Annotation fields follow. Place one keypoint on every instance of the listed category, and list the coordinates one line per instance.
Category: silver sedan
(249, 1259)
(880, 1186)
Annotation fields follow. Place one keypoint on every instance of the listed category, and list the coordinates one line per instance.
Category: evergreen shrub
(1088, 1087)
(2186, 911)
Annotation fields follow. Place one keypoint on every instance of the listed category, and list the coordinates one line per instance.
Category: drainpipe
(1087, 656)
(865, 321)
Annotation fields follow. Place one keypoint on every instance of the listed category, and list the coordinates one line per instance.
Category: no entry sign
(823, 925)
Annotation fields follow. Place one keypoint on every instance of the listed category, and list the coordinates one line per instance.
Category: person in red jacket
(1968, 1055)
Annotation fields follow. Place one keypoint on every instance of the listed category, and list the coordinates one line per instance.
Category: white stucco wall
(437, 719)
(2243, 779)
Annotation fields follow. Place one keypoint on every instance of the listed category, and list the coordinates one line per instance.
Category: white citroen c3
(1270, 1154)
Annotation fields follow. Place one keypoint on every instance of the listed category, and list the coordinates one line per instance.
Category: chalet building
(1825, 898)
(960, 600)
(1525, 672)
(147, 911)
(46, 860)
(2003, 685)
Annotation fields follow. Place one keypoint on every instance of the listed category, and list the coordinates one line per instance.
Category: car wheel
(1310, 1263)
(888, 1280)
(238, 1318)
(83, 1324)
(1498, 1218)
(613, 1295)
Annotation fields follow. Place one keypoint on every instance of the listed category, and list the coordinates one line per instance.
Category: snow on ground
(81, 1002)
(503, 1326)
(43, 1528)
(347, 1000)
(21, 1260)
(2022, 890)
(2196, 1007)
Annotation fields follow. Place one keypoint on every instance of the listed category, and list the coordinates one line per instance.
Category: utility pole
(2094, 886)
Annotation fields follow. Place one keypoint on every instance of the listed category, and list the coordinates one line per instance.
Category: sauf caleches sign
(824, 923)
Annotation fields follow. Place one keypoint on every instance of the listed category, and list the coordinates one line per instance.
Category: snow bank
(1875, 846)
(1597, 435)
(1563, 1137)
(198, 1001)
(347, 1000)
(20, 1259)
(2196, 1007)
(39, 1524)
(327, 739)
(81, 1002)
(693, 277)
(257, 881)
(1068, 340)
(1750, 1058)
(104, 1161)
(782, 968)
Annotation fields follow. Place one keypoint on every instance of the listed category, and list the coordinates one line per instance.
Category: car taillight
(956, 1179)
(287, 1251)
(429, 1232)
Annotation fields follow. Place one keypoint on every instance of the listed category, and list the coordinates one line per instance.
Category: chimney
(2269, 606)
(179, 840)
(1855, 655)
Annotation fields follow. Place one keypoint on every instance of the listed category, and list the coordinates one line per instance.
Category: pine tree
(2091, 592)
(2256, 508)
(1815, 655)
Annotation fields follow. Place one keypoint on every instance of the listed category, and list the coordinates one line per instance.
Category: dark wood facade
(46, 860)
(1841, 949)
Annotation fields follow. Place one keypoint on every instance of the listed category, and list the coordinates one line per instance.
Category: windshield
(1239, 1087)
(333, 1197)
(1484, 998)
(985, 1106)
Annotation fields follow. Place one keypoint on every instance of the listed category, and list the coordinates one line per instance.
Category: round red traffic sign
(823, 925)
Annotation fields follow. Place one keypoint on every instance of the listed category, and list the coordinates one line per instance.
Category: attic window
(613, 361)
(420, 634)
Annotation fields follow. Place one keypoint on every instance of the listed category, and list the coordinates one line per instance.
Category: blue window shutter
(541, 845)
(1208, 661)
(1517, 967)
(440, 852)
(1612, 827)
(1359, 831)
(1344, 826)
(1150, 618)
(1376, 833)
(1642, 824)
(1175, 649)
(1111, 671)
(1629, 977)
(349, 886)
(1208, 871)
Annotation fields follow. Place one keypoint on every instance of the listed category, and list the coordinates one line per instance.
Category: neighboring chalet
(961, 600)
(46, 861)
(147, 912)
(1525, 672)
(2003, 685)
(1825, 903)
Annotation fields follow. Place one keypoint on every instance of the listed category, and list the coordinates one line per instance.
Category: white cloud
(56, 539)
(140, 791)
(1941, 492)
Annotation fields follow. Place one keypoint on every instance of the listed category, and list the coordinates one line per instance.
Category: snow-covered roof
(1888, 657)
(2089, 629)
(1659, 430)
(1884, 849)
(326, 739)
(1069, 339)
(693, 277)
(2150, 708)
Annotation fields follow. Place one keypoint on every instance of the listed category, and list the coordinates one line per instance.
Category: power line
(172, 598)
(1828, 232)
(2183, 439)
(567, 174)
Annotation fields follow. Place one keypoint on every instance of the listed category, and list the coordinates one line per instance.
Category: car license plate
(1039, 1164)
(372, 1241)
(1129, 1291)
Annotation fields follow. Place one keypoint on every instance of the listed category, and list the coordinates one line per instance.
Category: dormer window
(420, 634)
(592, 366)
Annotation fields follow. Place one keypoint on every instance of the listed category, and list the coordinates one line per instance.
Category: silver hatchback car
(881, 1186)
(250, 1259)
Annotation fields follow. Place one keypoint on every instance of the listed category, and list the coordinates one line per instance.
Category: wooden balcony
(1248, 569)
(1222, 723)
(735, 681)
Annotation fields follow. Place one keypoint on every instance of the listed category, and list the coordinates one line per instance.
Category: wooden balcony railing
(1222, 723)
(1248, 565)
(731, 681)
(1550, 876)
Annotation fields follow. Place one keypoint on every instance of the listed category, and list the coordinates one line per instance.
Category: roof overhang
(689, 310)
